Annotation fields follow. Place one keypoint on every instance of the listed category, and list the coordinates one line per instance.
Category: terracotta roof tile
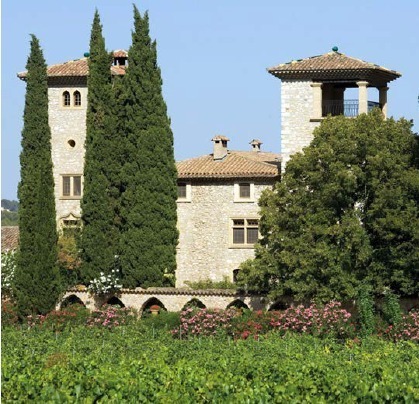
(9, 238)
(332, 62)
(237, 164)
(79, 67)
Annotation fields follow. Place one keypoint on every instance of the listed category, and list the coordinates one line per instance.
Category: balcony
(347, 108)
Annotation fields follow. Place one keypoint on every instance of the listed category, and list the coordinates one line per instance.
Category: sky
(213, 57)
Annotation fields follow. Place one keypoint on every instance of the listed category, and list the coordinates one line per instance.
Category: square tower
(314, 88)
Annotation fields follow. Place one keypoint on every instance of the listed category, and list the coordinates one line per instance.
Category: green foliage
(209, 284)
(37, 280)
(366, 312)
(100, 235)
(345, 212)
(101, 365)
(13, 206)
(9, 218)
(392, 312)
(148, 204)
(8, 269)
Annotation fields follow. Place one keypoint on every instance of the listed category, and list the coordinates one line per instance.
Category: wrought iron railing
(348, 108)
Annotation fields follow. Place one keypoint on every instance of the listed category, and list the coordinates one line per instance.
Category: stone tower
(314, 88)
(67, 107)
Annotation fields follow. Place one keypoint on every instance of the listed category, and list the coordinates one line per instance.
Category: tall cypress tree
(37, 281)
(100, 233)
(148, 205)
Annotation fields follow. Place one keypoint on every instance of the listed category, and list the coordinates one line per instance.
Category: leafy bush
(105, 283)
(392, 312)
(8, 268)
(110, 316)
(199, 322)
(209, 284)
(366, 314)
(406, 329)
(9, 314)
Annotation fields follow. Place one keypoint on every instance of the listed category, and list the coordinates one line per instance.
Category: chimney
(220, 147)
(255, 145)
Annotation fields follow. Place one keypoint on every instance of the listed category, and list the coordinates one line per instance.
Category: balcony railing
(347, 108)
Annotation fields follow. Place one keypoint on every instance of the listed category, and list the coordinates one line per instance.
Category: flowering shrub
(109, 317)
(57, 320)
(199, 322)
(406, 329)
(8, 267)
(329, 319)
(105, 283)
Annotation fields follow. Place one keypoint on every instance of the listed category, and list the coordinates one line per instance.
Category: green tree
(37, 280)
(148, 205)
(346, 210)
(99, 239)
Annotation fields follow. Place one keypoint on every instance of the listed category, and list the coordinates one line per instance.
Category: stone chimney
(220, 147)
(255, 145)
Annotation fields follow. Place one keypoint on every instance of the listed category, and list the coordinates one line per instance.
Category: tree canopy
(37, 280)
(102, 164)
(346, 212)
(148, 204)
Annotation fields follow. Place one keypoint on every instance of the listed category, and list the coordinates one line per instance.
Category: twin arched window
(76, 99)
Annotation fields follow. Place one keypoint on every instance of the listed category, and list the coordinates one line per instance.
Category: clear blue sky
(213, 57)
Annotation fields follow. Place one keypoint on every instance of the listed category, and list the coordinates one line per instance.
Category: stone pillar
(363, 97)
(383, 100)
(317, 100)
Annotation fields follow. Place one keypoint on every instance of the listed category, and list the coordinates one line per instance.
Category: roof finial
(335, 49)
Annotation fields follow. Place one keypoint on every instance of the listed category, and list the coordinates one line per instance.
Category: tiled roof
(79, 67)
(237, 164)
(9, 238)
(332, 63)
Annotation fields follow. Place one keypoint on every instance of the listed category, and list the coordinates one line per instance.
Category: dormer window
(77, 98)
(66, 99)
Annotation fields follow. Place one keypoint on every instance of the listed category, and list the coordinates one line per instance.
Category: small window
(244, 190)
(245, 232)
(181, 190)
(71, 186)
(71, 223)
(66, 99)
(184, 192)
(235, 275)
(77, 98)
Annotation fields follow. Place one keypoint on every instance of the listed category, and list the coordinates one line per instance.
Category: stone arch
(114, 301)
(70, 300)
(279, 305)
(194, 303)
(145, 308)
(238, 304)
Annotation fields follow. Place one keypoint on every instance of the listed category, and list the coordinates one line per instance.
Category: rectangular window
(245, 232)
(181, 190)
(71, 186)
(66, 186)
(244, 190)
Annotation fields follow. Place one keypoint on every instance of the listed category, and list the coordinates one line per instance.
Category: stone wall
(205, 249)
(296, 111)
(67, 123)
(171, 299)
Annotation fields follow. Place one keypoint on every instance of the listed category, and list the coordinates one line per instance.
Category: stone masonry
(67, 124)
(205, 249)
(296, 112)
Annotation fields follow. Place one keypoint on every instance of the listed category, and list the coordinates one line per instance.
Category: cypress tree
(37, 280)
(100, 232)
(148, 204)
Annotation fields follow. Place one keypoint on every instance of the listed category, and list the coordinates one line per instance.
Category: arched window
(77, 98)
(66, 99)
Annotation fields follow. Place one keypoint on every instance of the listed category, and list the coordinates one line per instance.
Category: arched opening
(114, 301)
(238, 304)
(66, 99)
(77, 98)
(194, 304)
(71, 300)
(277, 306)
(151, 304)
